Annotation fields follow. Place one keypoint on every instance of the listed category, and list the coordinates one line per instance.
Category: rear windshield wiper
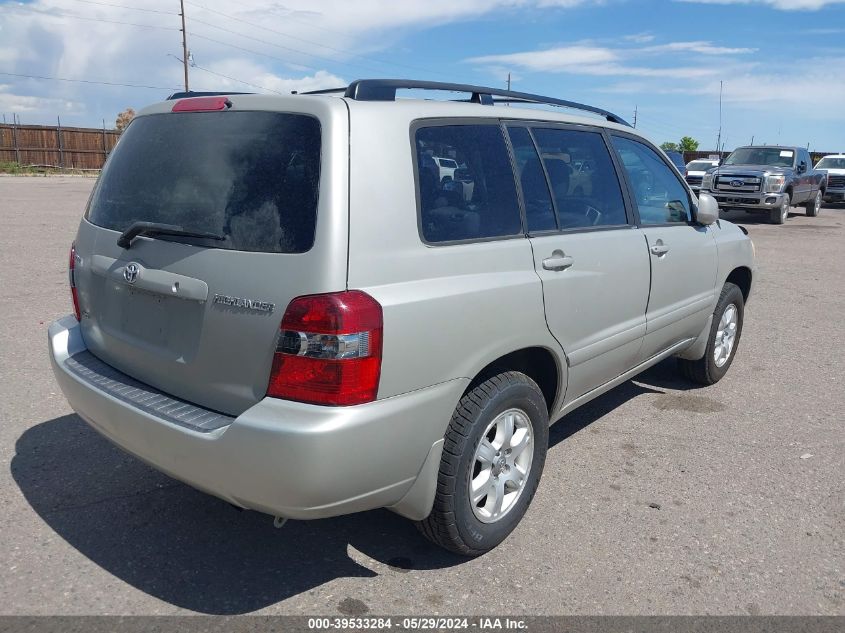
(156, 228)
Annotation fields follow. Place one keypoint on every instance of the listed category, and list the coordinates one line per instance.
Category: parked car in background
(677, 160)
(261, 314)
(767, 179)
(834, 167)
(695, 170)
(446, 167)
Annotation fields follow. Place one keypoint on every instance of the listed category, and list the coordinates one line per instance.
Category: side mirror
(708, 210)
(802, 167)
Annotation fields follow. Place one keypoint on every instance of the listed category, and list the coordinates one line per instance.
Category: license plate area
(165, 326)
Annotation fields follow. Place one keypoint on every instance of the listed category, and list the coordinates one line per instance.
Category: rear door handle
(659, 248)
(558, 261)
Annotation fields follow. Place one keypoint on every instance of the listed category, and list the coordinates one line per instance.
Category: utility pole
(184, 43)
(719, 137)
(635, 117)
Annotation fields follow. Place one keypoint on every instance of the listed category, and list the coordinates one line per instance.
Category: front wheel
(815, 205)
(780, 214)
(493, 456)
(725, 332)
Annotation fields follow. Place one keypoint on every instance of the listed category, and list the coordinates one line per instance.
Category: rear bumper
(284, 458)
(749, 201)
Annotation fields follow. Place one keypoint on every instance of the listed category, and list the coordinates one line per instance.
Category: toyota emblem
(130, 273)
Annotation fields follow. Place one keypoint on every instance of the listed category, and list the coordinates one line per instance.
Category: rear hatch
(198, 317)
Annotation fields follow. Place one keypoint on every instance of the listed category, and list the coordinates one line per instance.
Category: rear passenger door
(682, 254)
(593, 263)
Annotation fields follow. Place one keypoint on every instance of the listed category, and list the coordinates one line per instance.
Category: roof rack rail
(324, 91)
(188, 95)
(385, 90)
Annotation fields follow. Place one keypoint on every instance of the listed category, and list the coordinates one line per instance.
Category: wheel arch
(741, 276)
(538, 363)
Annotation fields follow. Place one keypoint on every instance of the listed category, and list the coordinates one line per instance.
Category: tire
(455, 523)
(709, 370)
(780, 214)
(814, 206)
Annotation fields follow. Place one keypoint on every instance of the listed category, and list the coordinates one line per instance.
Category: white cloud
(11, 102)
(704, 48)
(589, 59)
(782, 5)
(553, 59)
(298, 45)
(639, 38)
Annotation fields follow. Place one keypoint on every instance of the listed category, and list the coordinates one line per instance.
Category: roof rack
(385, 90)
(187, 95)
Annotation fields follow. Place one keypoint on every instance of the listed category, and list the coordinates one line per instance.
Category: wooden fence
(56, 146)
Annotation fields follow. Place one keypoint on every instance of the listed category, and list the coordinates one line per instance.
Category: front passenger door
(683, 254)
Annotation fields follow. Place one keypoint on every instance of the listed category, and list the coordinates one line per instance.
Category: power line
(249, 50)
(300, 39)
(53, 14)
(240, 81)
(286, 48)
(123, 6)
(88, 81)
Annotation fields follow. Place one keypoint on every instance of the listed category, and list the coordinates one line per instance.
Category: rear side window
(251, 177)
(539, 210)
(480, 201)
(587, 197)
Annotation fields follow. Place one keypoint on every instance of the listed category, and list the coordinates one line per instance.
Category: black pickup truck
(767, 179)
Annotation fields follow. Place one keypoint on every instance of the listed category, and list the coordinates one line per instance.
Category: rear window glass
(480, 200)
(251, 177)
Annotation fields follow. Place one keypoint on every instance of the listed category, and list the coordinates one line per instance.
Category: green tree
(668, 146)
(688, 144)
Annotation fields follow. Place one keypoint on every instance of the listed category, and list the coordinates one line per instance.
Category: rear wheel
(492, 460)
(815, 205)
(780, 214)
(725, 332)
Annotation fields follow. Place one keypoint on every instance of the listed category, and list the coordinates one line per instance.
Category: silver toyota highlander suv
(263, 315)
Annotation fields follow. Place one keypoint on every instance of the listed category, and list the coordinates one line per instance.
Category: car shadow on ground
(655, 380)
(196, 552)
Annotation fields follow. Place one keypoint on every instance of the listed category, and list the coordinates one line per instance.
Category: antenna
(509, 86)
(635, 116)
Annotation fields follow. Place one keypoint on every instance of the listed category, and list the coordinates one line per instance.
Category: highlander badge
(246, 304)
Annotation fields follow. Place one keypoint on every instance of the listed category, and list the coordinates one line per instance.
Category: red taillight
(202, 104)
(71, 271)
(329, 351)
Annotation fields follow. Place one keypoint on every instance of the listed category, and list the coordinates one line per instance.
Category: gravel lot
(747, 522)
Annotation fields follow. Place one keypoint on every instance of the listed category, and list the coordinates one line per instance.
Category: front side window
(584, 197)
(660, 196)
(250, 177)
(480, 201)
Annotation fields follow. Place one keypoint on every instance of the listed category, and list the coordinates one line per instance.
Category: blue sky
(780, 61)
